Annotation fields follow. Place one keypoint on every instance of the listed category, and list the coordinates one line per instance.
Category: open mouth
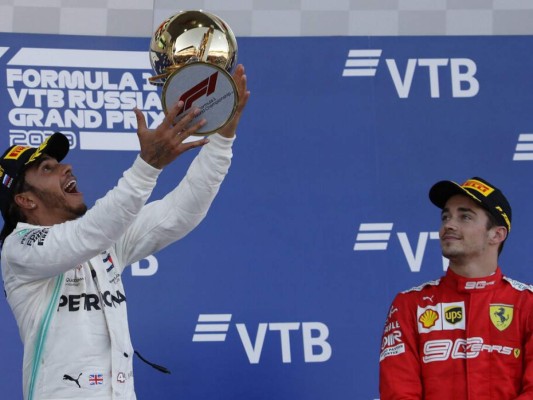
(71, 187)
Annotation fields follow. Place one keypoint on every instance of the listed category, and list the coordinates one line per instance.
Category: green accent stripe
(41, 336)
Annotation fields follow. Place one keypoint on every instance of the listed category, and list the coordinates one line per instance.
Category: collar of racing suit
(469, 285)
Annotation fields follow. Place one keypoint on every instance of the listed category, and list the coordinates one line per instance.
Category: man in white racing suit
(62, 264)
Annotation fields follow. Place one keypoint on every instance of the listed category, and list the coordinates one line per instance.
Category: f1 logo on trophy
(192, 54)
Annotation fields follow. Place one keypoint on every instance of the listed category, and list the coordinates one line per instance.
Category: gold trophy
(192, 54)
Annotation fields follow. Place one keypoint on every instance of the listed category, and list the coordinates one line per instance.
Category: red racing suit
(459, 338)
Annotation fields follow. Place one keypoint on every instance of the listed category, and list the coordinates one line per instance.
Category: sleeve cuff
(144, 171)
(221, 141)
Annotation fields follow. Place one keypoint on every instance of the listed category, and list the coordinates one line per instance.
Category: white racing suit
(64, 284)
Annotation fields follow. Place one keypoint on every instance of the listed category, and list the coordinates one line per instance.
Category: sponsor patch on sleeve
(33, 236)
(392, 343)
(392, 351)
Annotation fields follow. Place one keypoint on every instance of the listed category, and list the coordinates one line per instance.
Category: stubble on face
(467, 235)
(55, 202)
(45, 179)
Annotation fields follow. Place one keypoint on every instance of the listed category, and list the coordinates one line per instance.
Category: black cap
(490, 197)
(17, 158)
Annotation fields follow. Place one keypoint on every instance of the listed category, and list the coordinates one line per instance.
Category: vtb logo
(376, 236)
(214, 328)
(462, 72)
(204, 88)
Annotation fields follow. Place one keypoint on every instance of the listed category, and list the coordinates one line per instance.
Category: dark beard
(79, 211)
(54, 201)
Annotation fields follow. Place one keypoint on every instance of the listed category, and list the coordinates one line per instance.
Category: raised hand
(163, 145)
(240, 81)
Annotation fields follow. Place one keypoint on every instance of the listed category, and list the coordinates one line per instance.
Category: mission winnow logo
(313, 335)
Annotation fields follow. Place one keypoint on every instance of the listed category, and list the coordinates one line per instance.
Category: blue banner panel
(282, 291)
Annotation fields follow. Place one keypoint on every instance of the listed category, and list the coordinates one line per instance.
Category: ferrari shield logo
(501, 315)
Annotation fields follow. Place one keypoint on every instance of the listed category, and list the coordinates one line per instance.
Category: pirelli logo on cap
(478, 186)
(15, 152)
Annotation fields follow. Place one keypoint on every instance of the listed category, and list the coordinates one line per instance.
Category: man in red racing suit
(468, 334)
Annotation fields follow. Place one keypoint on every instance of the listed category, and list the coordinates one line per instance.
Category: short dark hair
(17, 157)
(13, 215)
(492, 222)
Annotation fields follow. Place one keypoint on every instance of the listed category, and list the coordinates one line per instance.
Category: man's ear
(498, 234)
(25, 201)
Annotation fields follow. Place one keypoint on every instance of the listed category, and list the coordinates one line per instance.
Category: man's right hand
(163, 145)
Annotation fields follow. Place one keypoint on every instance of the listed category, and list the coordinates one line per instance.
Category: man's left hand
(240, 81)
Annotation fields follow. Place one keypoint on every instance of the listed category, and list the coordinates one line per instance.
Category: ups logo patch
(453, 314)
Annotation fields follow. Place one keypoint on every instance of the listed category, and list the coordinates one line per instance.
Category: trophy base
(204, 86)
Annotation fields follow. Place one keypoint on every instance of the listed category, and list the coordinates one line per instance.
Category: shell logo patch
(428, 318)
(441, 317)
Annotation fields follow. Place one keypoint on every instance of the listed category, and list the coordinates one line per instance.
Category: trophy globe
(192, 54)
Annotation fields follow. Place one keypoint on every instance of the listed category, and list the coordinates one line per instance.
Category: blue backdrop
(324, 216)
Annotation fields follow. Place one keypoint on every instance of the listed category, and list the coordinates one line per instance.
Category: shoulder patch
(518, 285)
(422, 286)
(30, 237)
